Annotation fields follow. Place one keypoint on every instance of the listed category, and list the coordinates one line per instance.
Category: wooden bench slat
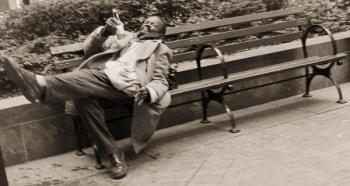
(254, 73)
(70, 63)
(71, 48)
(61, 65)
(239, 46)
(232, 21)
(236, 33)
(77, 47)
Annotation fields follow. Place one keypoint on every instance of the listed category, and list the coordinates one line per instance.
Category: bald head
(153, 24)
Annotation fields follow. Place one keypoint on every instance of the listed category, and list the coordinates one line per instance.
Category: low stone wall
(33, 131)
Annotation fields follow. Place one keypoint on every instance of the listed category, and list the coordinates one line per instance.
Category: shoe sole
(12, 70)
(119, 176)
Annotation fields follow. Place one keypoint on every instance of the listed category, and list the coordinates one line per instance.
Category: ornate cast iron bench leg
(231, 117)
(219, 97)
(205, 103)
(308, 80)
(79, 131)
(209, 95)
(326, 71)
(341, 99)
(99, 164)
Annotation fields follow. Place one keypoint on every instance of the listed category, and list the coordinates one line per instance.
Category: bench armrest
(313, 28)
(219, 56)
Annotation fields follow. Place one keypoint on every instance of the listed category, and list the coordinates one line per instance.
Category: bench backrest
(229, 34)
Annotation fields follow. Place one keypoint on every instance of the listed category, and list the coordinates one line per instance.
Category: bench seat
(254, 73)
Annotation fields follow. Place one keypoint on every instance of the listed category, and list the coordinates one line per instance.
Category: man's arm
(99, 41)
(103, 37)
(94, 42)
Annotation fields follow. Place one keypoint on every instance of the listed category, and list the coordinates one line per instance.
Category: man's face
(152, 24)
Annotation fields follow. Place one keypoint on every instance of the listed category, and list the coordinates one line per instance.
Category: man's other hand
(142, 95)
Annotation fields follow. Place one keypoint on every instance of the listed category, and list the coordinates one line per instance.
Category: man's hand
(110, 27)
(142, 95)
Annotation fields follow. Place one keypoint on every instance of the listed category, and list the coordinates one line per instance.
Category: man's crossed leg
(82, 86)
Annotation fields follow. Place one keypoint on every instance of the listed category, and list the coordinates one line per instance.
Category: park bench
(212, 43)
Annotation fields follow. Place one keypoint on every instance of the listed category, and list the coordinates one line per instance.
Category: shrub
(76, 17)
(72, 18)
(333, 14)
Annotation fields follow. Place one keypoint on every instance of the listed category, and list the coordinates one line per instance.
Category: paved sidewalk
(290, 142)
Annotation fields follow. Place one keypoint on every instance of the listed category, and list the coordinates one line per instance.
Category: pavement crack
(150, 155)
(195, 173)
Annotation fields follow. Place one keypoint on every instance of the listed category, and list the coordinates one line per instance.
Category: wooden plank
(61, 65)
(261, 42)
(254, 73)
(65, 49)
(232, 21)
(78, 47)
(239, 46)
(236, 33)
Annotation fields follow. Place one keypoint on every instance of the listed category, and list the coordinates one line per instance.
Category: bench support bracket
(316, 70)
(326, 72)
(210, 95)
(79, 131)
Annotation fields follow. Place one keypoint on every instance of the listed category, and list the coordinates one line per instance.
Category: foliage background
(28, 33)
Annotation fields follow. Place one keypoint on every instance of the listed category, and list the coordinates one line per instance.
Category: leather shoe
(23, 79)
(118, 166)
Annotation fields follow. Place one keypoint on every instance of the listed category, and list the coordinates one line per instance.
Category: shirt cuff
(153, 94)
(98, 32)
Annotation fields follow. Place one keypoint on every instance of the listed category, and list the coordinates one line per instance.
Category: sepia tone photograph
(174, 93)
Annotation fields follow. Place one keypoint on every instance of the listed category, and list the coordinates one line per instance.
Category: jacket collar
(148, 36)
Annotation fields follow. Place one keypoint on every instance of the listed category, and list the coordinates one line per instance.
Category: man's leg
(68, 86)
(92, 115)
(79, 84)
(85, 87)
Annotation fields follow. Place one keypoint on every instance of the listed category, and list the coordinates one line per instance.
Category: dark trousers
(87, 87)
